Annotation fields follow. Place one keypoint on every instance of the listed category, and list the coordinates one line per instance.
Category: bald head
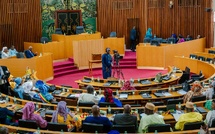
(127, 108)
(95, 110)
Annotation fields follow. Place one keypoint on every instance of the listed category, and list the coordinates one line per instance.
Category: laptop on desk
(146, 95)
(159, 94)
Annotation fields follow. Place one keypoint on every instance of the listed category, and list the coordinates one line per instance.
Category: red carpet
(128, 65)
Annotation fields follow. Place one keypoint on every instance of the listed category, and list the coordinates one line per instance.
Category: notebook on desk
(146, 95)
(159, 94)
(57, 92)
(107, 84)
(145, 82)
(123, 96)
(182, 92)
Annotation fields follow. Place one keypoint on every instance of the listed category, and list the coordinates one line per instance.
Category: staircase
(68, 67)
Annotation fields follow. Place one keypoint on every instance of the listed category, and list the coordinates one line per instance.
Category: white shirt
(86, 97)
(5, 55)
(209, 118)
(209, 93)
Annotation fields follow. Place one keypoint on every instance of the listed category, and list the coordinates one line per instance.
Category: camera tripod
(117, 69)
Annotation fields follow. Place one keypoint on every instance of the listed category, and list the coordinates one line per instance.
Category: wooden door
(131, 22)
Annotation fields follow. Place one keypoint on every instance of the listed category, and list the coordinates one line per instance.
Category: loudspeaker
(208, 9)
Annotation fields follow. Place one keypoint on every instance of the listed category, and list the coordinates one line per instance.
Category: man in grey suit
(125, 118)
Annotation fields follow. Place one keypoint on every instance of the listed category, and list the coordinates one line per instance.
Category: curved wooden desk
(43, 65)
(162, 56)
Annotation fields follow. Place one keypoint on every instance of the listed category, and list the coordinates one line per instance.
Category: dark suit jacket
(29, 54)
(125, 119)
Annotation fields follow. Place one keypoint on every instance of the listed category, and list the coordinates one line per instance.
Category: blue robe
(148, 33)
(19, 90)
(29, 54)
(106, 65)
(116, 101)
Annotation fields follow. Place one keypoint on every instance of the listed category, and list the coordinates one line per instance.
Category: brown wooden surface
(20, 20)
(163, 56)
(184, 18)
(42, 65)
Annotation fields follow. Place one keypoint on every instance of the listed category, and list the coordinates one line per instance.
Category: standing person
(106, 64)
(133, 37)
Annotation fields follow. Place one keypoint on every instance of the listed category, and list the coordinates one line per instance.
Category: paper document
(167, 94)
(176, 116)
(123, 96)
(182, 92)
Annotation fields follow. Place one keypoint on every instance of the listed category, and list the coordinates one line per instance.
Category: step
(64, 63)
(58, 74)
(128, 66)
(64, 68)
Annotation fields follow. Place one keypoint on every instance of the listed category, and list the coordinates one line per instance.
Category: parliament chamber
(25, 23)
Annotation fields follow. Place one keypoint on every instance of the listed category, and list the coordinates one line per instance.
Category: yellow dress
(70, 121)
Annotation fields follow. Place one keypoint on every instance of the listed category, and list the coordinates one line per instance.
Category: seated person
(5, 116)
(198, 37)
(29, 88)
(98, 119)
(210, 91)
(150, 118)
(174, 36)
(12, 51)
(44, 95)
(5, 53)
(196, 90)
(189, 38)
(189, 116)
(64, 116)
(29, 53)
(180, 39)
(210, 115)
(89, 96)
(28, 114)
(128, 86)
(18, 88)
(108, 97)
(126, 118)
(149, 33)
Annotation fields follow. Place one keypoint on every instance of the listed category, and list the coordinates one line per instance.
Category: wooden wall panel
(186, 17)
(20, 21)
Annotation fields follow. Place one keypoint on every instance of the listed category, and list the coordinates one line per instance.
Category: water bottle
(98, 79)
(169, 89)
(119, 82)
(194, 107)
(156, 131)
(96, 132)
(38, 130)
(136, 111)
(100, 91)
(138, 80)
(173, 88)
(92, 79)
(7, 99)
(61, 132)
(117, 92)
(44, 42)
(125, 132)
(109, 109)
(37, 107)
(77, 108)
(179, 105)
(154, 35)
(14, 100)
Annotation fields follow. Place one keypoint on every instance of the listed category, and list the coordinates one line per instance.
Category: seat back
(26, 96)
(92, 128)
(193, 56)
(20, 55)
(107, 104)
(193, 125)
(86, 104)
(44, 39)
(28, 124)
(79, 29)
(36, 100)
(58, 31)
(96, 56)
(198, 98)
(174, 101)
(159, 128)
(211, 51)
(209, 60)
(159, 103)
(57, 127)
(123, 128)
(113, 34)
(201, 58)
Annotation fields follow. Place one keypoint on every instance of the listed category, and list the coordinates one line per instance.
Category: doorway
(131, 22)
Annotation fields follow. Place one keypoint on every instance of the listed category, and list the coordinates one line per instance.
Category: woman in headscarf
(28, 114)
(196, 90)
(5, 53)
(18, 87)
(44, 95)
(148, 33)
(108, 97)
(127, 86)
(180, 39)
(63, 115)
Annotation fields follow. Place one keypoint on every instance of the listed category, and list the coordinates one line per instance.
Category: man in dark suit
(29, 53)
(4, 75)
(126, 118)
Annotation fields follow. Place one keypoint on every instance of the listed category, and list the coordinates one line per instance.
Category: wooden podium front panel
(150, 56)
(84, 49)
(43, 65)
(56, 48)
(115, 44)
(68, 40)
